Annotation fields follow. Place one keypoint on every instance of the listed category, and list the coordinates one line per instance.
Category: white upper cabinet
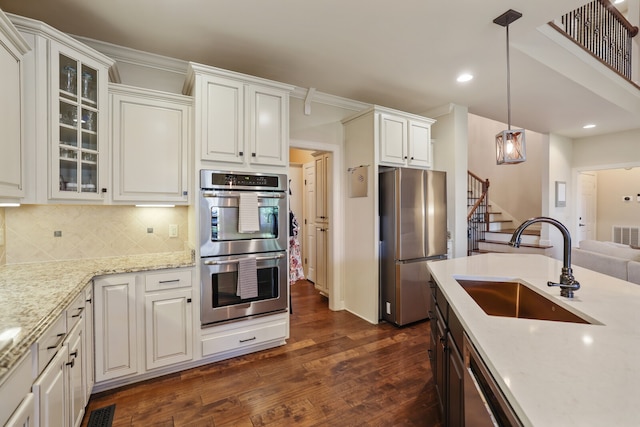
(150, 139)
(240, 120)
(12, 49)
(404, 139)
(66, 120)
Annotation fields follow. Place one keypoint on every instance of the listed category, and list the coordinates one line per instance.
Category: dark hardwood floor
(335, 370)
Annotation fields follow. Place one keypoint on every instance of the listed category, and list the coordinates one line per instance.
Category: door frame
(335, 250)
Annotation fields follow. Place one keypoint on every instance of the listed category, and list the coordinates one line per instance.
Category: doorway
(313, 210)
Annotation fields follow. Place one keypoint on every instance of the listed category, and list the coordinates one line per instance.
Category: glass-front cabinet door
(76, 152)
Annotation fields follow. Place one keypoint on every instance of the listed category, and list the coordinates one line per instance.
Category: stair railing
(478, 210)
(600, 29)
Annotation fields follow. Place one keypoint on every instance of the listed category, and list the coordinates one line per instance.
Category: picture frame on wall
(561, 194)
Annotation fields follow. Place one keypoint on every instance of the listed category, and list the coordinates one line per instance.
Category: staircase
(490, 230)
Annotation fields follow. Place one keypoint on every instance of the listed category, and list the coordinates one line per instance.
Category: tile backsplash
(89, 232)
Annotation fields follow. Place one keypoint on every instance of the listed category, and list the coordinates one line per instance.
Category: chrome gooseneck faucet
(568, 284)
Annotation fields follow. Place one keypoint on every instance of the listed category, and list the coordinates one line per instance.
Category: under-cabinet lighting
(155, 206)
(9, 205)
(589, 126)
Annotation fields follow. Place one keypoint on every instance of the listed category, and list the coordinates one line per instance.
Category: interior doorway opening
(310, 174)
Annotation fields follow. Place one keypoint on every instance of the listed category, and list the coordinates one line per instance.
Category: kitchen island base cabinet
(446, 360)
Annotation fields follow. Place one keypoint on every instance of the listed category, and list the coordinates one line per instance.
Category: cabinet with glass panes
(79, 158)
(65, 116)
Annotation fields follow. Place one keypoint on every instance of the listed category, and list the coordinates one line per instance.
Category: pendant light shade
(510, 143)
(510, 147)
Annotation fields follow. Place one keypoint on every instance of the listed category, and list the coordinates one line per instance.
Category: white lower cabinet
(25, 414)
(49, 389)
(234, 338)
(142, 322)
(115, 326)
(168, 328)
(76, 374)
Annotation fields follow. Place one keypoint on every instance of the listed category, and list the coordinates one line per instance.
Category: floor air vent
(626, 235)
(102, 417)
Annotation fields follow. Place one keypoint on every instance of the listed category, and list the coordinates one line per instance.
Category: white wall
(515, 188)
(559, 166)
(450, 134)
(608, 151)
(613, 184)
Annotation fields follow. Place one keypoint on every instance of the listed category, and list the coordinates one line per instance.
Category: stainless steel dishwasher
(484, 403)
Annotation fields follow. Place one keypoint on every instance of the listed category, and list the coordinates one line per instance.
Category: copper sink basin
(514, 299)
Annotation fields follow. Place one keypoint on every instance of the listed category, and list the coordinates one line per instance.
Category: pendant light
(510, 144)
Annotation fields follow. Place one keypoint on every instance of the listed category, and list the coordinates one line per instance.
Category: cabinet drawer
(240, 338)
(168, 280)
(75, 311)
(49, 343)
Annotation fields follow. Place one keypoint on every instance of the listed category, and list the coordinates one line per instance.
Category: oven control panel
(249, 181)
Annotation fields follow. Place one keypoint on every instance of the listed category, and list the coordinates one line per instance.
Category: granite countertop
(33, 295)
(555, 373)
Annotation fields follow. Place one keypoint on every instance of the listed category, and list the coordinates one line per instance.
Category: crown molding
(327, 99)
(136, 57)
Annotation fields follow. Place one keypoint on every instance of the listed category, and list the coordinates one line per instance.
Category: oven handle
(235, 261)
(236, 195)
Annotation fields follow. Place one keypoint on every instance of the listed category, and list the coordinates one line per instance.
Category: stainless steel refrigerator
(413, 231)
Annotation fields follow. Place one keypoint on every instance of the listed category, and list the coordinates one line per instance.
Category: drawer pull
(74, 354)
(60, 338)
(248, 339)
(79, 312)
(72, 363)
(162, 282)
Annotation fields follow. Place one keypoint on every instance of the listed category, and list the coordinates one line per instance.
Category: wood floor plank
(336, 369)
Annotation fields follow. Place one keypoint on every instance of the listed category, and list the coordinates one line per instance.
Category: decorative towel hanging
(248, 220)
(247, 278)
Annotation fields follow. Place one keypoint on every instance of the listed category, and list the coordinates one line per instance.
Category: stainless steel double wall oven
(223, 244)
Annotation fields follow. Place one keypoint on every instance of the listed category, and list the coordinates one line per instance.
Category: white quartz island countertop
(555, 373)
(33, 295)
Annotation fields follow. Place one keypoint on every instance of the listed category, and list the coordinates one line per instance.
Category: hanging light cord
(508, 84)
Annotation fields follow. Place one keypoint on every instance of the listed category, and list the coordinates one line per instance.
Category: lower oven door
(219, 300)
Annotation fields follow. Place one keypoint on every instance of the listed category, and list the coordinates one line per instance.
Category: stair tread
(528, 245)
(511, 230)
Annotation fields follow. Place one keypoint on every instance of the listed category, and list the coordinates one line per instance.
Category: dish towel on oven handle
(247, 278)
(248, 220)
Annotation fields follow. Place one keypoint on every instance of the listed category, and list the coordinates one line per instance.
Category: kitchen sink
(514, 299)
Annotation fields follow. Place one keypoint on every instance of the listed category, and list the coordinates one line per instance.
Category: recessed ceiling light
(589, 126)
(464, 77)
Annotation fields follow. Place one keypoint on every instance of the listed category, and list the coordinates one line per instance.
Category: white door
(308, 221)
(587, 182)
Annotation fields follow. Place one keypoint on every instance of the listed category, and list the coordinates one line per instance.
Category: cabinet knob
(240, 153)
(103, 190)
(412, 158)
(253, 154)
(405, 157)
(185, 193)
(188, 300)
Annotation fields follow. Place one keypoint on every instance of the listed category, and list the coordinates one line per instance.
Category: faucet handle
(566, 287)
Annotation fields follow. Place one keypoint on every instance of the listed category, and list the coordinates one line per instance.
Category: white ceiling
(402, 54)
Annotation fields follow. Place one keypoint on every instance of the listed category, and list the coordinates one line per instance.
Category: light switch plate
(173, 230)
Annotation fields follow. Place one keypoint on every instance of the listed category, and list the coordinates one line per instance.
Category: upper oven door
(219, 220)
